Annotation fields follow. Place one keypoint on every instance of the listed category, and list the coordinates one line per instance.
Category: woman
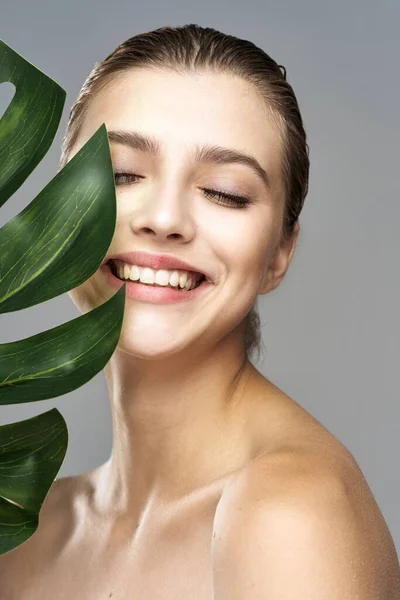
(219, 485)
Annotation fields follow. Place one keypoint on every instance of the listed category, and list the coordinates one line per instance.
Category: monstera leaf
(56, 243)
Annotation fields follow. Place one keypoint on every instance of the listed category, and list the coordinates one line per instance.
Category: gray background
(331, 330)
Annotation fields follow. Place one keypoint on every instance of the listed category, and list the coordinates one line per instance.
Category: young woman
(219, 485)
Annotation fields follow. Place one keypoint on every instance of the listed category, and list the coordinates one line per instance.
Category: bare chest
(169, 562)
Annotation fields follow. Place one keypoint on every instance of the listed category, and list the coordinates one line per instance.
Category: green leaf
(31, 454)
(61, 359)
(56, 243)
(28, 126)
(59, 240)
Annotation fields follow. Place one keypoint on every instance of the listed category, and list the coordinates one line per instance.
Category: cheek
(242, 241)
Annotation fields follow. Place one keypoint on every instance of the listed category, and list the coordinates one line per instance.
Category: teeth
(134, 273)
(162, 277)
(146, 275)
(183, 279)
(178, 279)
(174, 279)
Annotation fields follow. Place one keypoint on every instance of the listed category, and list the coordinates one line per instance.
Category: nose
(164, 214)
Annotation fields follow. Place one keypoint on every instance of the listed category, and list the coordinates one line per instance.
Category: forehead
(183, 110)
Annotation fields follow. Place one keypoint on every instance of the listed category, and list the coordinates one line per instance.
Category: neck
(179, 426)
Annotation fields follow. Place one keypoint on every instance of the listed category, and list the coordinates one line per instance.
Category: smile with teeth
(187, 280)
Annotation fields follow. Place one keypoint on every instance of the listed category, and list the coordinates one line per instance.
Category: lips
(157, 262)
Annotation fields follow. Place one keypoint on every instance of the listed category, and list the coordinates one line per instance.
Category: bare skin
(199, 435)
(167, 554)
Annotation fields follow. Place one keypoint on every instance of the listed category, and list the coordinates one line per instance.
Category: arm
(306, 544)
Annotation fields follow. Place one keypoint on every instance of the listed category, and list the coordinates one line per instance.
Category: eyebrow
(204, 154)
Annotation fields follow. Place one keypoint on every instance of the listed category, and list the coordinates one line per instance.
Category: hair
(191, 48)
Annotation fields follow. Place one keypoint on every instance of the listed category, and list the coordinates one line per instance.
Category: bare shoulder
(299, 514)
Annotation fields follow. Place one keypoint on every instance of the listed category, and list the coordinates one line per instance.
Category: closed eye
(118, 175)
(230, 199)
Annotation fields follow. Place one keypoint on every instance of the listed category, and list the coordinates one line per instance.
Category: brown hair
(190, 48)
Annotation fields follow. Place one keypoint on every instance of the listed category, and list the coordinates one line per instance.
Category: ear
(280, 262)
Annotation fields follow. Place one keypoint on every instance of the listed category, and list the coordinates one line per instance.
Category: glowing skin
(179, 387)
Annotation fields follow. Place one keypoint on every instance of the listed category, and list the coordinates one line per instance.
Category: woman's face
(165, 209)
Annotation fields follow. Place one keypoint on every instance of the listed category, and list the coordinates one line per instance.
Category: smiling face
(165, 209)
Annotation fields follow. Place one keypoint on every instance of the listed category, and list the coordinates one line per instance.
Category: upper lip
(156, 261)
